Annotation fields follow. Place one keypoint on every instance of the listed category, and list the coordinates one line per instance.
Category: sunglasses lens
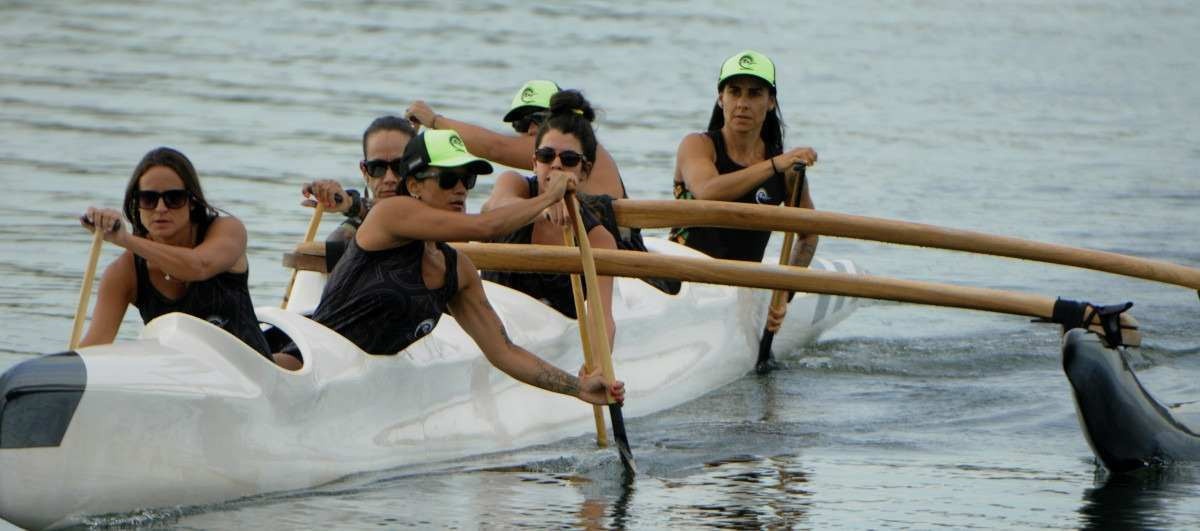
(148, 199)
(175, 198)
(570, 158)
(449, 180)
(376, 168)
(544, 155)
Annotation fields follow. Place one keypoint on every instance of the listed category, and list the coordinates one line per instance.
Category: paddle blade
(618, 431)
(765, 364)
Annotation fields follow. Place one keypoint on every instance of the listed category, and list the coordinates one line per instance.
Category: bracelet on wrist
(773, 168)
(433, 122)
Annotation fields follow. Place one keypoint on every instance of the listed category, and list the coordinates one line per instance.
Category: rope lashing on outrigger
(1079, 314)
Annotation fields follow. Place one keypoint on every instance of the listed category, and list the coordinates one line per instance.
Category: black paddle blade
(618, 430)
(765, 364)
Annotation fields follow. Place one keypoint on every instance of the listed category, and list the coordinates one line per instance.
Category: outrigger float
(187, 414)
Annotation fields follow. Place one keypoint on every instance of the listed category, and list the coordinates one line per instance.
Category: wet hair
(199, 211)
(772, 128)
(386, 123)
(571, 113)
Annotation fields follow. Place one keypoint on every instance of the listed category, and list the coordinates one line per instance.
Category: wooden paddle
(700, 213)
(543, 258)
(311, 233)
(85, 292)
(589, 363)
(779, 298)
(595, 319)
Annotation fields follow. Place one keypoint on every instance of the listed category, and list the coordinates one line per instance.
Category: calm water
(1070, 122)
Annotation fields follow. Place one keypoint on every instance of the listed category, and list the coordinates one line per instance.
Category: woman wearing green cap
(398, 277)
(565, 143)
(741, 158)
(529, 108)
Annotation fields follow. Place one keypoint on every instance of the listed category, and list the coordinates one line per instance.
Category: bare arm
(605, 178)
(476, 316)
(695, 164)
(600, 238)
(401, 219)
(510, 188)
(806, 244)
(510, 150)
(223, 249)
(117, 291)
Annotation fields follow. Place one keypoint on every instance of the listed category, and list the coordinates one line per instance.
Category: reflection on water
(1139, 500)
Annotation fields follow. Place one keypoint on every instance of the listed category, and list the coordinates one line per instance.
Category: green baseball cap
(748, 63)
(533, 96)
(441, 148)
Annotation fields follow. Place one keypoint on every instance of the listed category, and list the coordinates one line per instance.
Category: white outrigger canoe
(187, 414)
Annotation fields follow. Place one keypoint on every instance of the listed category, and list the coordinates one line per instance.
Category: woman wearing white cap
(398, 276)
(529, 108)
(741, 158)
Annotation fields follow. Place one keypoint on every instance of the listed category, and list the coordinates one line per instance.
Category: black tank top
(731, 244)
(223, 300)
(554, 289)
(378, 299)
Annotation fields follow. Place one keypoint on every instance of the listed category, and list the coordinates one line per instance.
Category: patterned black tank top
(731, 244)
(378, 299)
(223, 300)
(554, 289)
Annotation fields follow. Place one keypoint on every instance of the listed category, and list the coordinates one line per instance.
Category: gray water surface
(1071, 122)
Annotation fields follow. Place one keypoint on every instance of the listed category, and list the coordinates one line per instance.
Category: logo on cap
(746, 62)
(456, 143)
(527, 95)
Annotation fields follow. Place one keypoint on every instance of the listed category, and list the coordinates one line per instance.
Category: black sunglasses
(569, 158)
(449, 179)
(148, 199)
(521, 125)
(377, 168)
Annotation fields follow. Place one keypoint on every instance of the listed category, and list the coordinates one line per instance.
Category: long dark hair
(199, 211)
(571, 113)
(387, 123)
(773, 127)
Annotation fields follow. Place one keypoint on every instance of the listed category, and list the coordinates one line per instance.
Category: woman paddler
(397, 276)
(565, 143)
(741, 158)
(181, 256)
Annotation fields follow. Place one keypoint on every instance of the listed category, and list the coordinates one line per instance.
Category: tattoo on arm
(553, 379)
(802, 253)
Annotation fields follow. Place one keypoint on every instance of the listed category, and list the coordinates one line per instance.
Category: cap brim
(472, 164)
(754, 75)
(516, 113)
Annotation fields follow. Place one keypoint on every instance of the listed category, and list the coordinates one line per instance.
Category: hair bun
(571, 102)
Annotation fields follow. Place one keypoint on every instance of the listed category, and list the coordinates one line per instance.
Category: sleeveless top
(553, 289)
(223, 300)
(378, 299)
(731, 244)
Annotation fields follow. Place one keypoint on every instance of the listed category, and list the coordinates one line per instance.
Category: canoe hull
(188, 415)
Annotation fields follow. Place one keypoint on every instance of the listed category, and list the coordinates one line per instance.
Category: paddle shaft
(700, 213)
(309, 234)
(598, 321)
(779, 298)
(589, 363)
(85, 291)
